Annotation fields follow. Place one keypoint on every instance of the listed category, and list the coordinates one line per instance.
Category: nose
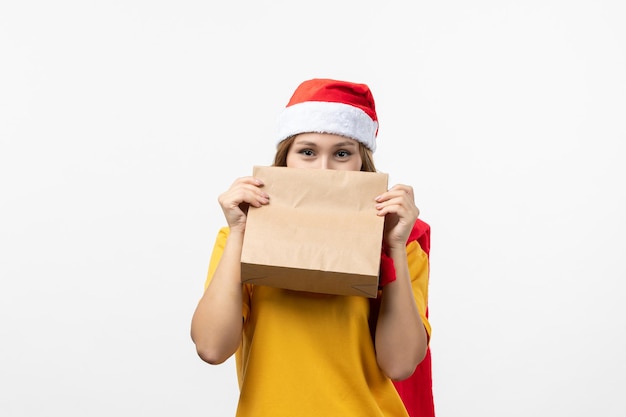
(324, 163)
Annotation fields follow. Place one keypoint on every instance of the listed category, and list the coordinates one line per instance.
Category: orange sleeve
(418, 269)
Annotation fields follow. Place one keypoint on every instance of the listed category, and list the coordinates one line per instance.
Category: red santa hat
(331, 106)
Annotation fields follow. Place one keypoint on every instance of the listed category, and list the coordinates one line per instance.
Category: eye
(343, 153)
(306, 152)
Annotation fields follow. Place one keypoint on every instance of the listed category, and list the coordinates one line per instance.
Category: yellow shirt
(305, 354)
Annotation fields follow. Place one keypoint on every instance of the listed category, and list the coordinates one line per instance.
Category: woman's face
(324, 151)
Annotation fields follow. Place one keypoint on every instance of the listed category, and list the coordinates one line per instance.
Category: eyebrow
(336, 145)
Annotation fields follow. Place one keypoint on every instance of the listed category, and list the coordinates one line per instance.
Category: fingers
(398, 207)
(398, 200)
(244, 190)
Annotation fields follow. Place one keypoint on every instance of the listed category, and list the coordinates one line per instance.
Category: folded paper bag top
(319, 233)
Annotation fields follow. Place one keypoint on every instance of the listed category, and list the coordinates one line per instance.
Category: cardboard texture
(319, 233)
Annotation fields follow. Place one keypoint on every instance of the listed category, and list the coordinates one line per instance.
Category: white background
(121, 122)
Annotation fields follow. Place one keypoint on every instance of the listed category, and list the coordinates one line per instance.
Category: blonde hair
(280, 159)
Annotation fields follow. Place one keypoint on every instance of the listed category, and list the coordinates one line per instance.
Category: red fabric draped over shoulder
(416, 391)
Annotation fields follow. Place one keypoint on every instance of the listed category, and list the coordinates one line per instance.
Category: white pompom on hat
(331, 106)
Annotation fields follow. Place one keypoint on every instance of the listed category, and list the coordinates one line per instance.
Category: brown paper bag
(319, 233)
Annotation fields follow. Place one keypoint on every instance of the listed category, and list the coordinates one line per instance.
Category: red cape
(416, 391)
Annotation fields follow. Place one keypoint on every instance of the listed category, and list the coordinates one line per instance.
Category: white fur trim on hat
(328, 117)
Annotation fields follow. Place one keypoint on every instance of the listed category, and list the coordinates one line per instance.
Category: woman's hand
(398, 207)
(401, 338)
(244, 192)
(217, 324)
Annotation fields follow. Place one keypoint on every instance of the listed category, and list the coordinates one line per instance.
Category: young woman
(304, 354)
